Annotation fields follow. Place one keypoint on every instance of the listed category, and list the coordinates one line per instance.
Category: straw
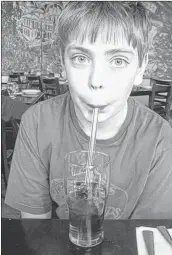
(92, 144)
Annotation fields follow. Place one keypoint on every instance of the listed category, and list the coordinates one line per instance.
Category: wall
(29, 41)
(25, 23)
(160, 57)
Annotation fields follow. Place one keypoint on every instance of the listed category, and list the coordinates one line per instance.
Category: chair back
(4, 79)
(34, 82)
(14, 78)
(39, 98)
(8, 138)
(5, 92)
(50, 86)
(51, 74)
(161, 97)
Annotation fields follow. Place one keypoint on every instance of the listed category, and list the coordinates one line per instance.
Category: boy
(104, 53)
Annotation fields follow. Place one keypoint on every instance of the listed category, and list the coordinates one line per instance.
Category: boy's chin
(87, 111)
(102, 117)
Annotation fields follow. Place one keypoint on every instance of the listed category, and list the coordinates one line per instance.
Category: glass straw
(91, 145)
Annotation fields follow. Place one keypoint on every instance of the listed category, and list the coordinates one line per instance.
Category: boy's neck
(107, 129)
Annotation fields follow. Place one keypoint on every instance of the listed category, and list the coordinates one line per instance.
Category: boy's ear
(61, 58)
(63, 73)
(139, 77)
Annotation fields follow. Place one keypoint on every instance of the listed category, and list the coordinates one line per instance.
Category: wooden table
(141, 92)
(50, 237)
(27, 99)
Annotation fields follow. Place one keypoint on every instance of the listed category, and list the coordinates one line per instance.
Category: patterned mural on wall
(160, 56)
(29, 39)
(30, 42)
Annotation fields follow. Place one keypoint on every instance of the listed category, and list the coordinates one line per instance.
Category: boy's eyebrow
(114, 51)
(108, 52)
(73, 47)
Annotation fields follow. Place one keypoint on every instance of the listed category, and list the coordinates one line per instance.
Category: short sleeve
(28, 185)
(156, 199)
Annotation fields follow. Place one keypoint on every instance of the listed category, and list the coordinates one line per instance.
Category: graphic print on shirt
(117, 200)
(58, 195)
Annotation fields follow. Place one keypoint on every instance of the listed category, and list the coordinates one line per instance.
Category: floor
(7, 211)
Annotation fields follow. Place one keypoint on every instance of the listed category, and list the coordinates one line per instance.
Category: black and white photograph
(86, 127)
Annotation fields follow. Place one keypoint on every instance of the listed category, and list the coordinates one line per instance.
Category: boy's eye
(119, 62)
(80, 60)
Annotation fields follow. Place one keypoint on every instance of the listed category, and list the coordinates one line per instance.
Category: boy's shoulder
(145, 112)
(48, 108)
(151, 123)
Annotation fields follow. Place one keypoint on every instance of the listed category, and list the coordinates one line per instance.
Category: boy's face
(101, 75)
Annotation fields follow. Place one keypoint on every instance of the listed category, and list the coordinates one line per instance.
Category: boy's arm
(28, 185)
(156, 199)
(34, 216)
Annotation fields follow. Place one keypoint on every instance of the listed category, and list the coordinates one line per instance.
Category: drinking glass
(86, 200)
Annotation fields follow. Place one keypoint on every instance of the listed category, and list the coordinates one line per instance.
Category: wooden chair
(14, 78)
(9, 131)
(51, 74)
(8, 138)
(161, 98)
(50, 86)
(23, 81)
(34, 82)
(5, 92)
(39, 98)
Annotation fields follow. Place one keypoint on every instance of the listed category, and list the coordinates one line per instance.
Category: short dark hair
(113, 20)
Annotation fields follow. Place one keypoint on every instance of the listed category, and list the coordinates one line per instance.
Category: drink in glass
(86, 200)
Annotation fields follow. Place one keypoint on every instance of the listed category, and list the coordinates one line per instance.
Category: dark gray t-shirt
(141, 161)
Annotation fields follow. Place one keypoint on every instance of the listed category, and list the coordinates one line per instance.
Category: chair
(50, 86)
(51, 74)
(39, 98)
(14, 78)
(161, 98)
(4, 79)
(23, 81)
(18, 72)
(34, 82)
(64, 87)
(9, 131)
(5, 92)
(8, 138)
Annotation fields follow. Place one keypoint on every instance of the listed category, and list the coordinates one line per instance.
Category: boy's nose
(96, 81)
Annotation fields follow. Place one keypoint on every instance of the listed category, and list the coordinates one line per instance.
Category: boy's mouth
(90, 107)
(101, 107)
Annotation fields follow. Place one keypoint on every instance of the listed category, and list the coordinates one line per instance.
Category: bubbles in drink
(86, 211)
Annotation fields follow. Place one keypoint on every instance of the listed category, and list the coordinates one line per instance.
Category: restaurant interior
(31, 70)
